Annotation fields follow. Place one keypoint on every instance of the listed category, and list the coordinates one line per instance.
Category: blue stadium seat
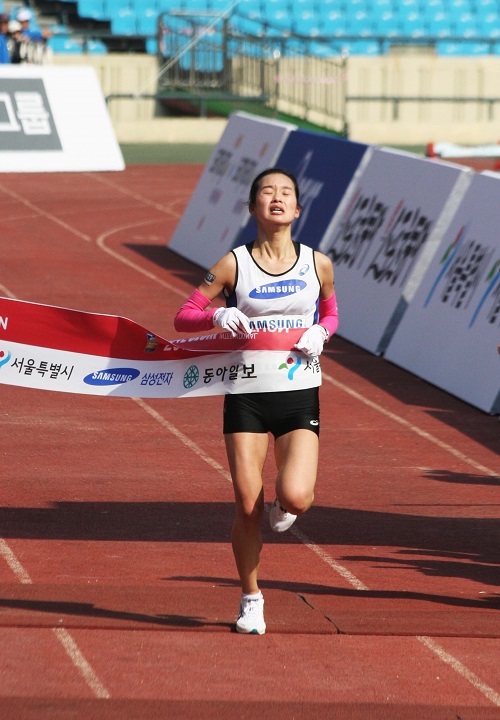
(470, 19)
(489, 25)
(380, 6)
(196, 6)
(439, 25)
(124, 23)
(459, 6)
(247, 25)
(362, 47)
(65, 45)
(387, 24)
(320, 49)
(355, 7)
(334, 26)
(462, 48)
(96, 47)
(449, 48)
(360, 23)
(147, 22)
(250, 8)
(114, 6)
(465, 25)
(203, 56)
(434, 6)
(219, 6)
(333, 16)
(414, 25)
(306, 23)
(92, 9)
(279, 19)
(166, 5)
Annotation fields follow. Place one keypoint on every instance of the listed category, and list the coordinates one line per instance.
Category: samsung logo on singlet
(277, 289)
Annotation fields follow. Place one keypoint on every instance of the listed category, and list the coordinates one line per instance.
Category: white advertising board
(388, 218)
(451, 329)
(218, 207)
(55, 119)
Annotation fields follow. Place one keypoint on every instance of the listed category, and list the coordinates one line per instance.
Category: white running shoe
(279, 519)
(251, 617)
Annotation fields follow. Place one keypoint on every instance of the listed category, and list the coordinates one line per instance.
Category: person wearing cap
(4, 50)
(15, 42)
(24, 16)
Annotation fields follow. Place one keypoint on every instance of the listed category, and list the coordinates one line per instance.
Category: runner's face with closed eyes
(276, 201)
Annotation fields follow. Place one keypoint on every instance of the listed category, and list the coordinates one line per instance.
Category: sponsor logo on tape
(111, 376)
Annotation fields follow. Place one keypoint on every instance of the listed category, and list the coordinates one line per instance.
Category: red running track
(118, 591)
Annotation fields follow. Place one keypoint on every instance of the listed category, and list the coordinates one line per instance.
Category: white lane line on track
(7, 293)
(343, 572)
(130, 263)
(414, 428)
(349, 577)
(62, 634)
(310, 544)
(183, 438)
(20, 573)
(341, 386)
(137, 196)
(49, 216)
(69, 644)
(474, 680)
(81, 664)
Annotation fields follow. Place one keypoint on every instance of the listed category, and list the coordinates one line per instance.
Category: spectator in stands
(4, 50)
(24, 17)
(15, 42)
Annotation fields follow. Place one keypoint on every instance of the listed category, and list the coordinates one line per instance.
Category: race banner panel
(55, 119)
(51, 348)
(451, 330)
(218, 207)
(324, 166)
(383, 225)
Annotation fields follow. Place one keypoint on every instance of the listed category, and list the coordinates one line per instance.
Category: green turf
(161, 154)
(189, 154)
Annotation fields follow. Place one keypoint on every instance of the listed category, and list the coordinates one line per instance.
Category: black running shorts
(278, 413)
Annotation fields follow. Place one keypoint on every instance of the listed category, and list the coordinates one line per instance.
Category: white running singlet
(276, 302)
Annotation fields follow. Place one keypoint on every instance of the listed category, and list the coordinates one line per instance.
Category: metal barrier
(490, 102)
(203, 54)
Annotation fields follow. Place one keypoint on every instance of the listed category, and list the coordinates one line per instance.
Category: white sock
(251, 596)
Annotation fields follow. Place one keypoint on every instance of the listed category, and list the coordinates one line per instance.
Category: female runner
(291, 416)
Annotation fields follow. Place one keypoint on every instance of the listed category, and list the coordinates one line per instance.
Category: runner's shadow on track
(165, 258)
(88, 610)
(211, 522)
(434, 546)
(306, 589)
(414, 391)
(121, 521)
(463, 478)
(437, 546)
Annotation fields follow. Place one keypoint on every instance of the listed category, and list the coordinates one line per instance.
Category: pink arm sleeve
(329, 314)
(192, 316)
